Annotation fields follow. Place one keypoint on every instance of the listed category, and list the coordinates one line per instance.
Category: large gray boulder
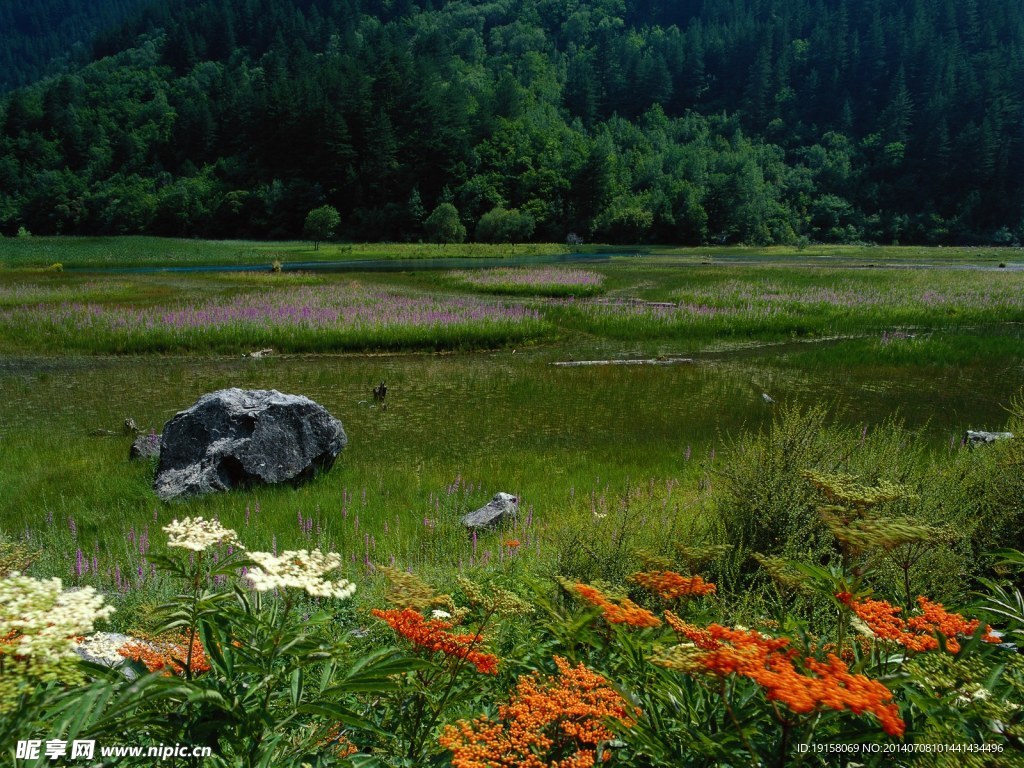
(238, 438)
(502, 509)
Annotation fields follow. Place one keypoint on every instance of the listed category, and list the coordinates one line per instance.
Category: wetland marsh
(938, 350)
(777, 391)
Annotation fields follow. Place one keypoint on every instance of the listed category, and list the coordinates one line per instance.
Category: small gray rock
(503, 508)
(980, 438)
(237, 438)
(144, 447)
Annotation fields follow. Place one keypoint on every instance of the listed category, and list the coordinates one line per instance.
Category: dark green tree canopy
(755, 121)
(43, 36)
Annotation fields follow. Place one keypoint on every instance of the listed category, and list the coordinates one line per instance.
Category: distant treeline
(756, 121)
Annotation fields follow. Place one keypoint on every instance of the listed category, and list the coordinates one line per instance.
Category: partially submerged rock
(237, 438)
(971, 437)
(502, 509)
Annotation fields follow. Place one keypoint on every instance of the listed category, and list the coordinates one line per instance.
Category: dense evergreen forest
(40, 37)
(683, 121)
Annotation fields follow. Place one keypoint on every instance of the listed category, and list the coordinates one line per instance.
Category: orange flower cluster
(512, 543)
(168, 654)
(918, 633)
(433, 635)
(626, 612)
(671, 585)
(804, 686)
(554, 722)
(338, 742)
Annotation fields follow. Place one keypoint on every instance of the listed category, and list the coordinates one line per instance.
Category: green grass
(133, 252)
(552, 282)
(291, 315)
(992, 347)
(64, 495)
(136, 252)
(711, 304)
(706, 305)
(862, 255)
(493, 422)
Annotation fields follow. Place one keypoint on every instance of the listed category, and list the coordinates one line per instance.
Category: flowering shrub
(197, 534)
(41, 620)
(880, 620)
(625, 612)
(39, 627)
(552, 721)
(433, 636)
(299, 570)
(249, 657)
(806, 686)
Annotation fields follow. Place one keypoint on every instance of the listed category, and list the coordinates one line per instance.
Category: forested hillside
(39, 37)
(756, 121)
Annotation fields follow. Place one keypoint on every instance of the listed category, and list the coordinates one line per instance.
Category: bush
(443, 225)
(504, 226)
(952, 508)
(765, 504)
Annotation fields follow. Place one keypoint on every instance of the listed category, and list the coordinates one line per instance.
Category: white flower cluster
(301, 569)
(43, 619)
(197, 534)
(102, 648)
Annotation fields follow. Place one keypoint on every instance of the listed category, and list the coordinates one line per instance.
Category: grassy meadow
(137, 252)
(651, 296)
(802, 479)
